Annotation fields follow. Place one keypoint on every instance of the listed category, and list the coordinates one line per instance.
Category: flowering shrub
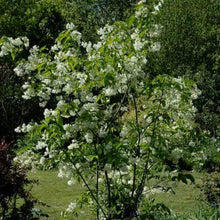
(106, 124)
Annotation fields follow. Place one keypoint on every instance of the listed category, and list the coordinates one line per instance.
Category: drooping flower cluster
(12, 46)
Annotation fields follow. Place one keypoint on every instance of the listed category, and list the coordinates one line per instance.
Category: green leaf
(190, 177)
(131, 21)
(93, 157)
(182, 178)
(59, 121)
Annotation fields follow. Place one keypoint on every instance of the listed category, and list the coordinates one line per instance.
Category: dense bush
(13, 109)
(112, 114)
(13, 187)
(89, 16)
(40, 21)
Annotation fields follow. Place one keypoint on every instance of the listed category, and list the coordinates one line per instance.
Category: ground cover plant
(108, 123)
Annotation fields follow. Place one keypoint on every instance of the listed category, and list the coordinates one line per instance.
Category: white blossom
(40, 145)
(89, 137)
(70, 26)
(71, 182)
(73, 145)
(71, 207)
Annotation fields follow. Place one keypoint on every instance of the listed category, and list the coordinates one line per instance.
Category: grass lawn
(54, 192)
(57, 194)
(185, 199)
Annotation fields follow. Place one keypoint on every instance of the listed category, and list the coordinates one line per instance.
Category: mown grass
(57, 194)
(186, 198)
(54, 192)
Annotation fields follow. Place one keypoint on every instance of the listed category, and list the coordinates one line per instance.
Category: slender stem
(137, 153)
(97, 188)
(137, 124)
(134, 179)
(114, 116)
(109, 194)
(90, 191)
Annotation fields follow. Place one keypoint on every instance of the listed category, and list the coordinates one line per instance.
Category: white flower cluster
(88, 46)
(9, 44)
(138, 42)
(25, 128)
(27, 159)
(70, 26)
(73, 145)
(156, 47)
(71, 207)
(142, 11)
(105, 31)
(158, 6)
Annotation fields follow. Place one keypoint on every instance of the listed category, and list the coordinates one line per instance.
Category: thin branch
(134, 179)
(89, 189)
(97, 188)
(137, 153)
(109, 194)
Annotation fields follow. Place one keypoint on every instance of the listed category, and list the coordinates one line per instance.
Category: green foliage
(41, 21)
(107, 123)
(204, 213)
(189, 34)
(13, 109)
